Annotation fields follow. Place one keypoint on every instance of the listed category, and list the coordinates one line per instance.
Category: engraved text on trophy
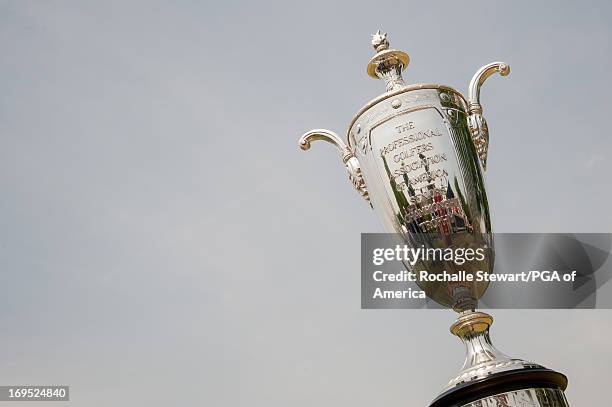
(416, 153)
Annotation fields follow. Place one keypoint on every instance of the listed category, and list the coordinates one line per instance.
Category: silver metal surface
(535, 397)
(476, 121)
(482, 358)
(346, 155)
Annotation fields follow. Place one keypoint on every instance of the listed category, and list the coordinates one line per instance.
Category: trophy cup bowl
(417, 154)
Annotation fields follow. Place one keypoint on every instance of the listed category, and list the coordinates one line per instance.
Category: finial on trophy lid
(387, 64)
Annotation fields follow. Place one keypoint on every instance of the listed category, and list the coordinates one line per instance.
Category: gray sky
(163, 241)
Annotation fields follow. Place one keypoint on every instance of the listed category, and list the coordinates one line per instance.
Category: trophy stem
(482, 358)
(472, 328)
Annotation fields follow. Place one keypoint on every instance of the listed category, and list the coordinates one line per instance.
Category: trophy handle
(346, 155)
(476, 121)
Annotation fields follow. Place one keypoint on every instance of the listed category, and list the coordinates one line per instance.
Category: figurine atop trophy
(417, 154)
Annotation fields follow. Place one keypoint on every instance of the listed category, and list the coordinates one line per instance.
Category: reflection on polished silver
(421, 149)
(534, 397)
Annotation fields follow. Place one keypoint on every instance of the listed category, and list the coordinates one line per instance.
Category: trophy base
(491, 379)
(538, 387)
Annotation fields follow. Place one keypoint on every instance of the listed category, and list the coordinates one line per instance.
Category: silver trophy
(417, 154)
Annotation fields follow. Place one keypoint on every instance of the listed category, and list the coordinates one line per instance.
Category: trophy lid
(387, 64)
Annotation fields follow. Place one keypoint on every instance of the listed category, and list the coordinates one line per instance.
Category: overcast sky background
(163, 240)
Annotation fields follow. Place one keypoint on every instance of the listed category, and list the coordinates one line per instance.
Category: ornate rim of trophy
(417, 154)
